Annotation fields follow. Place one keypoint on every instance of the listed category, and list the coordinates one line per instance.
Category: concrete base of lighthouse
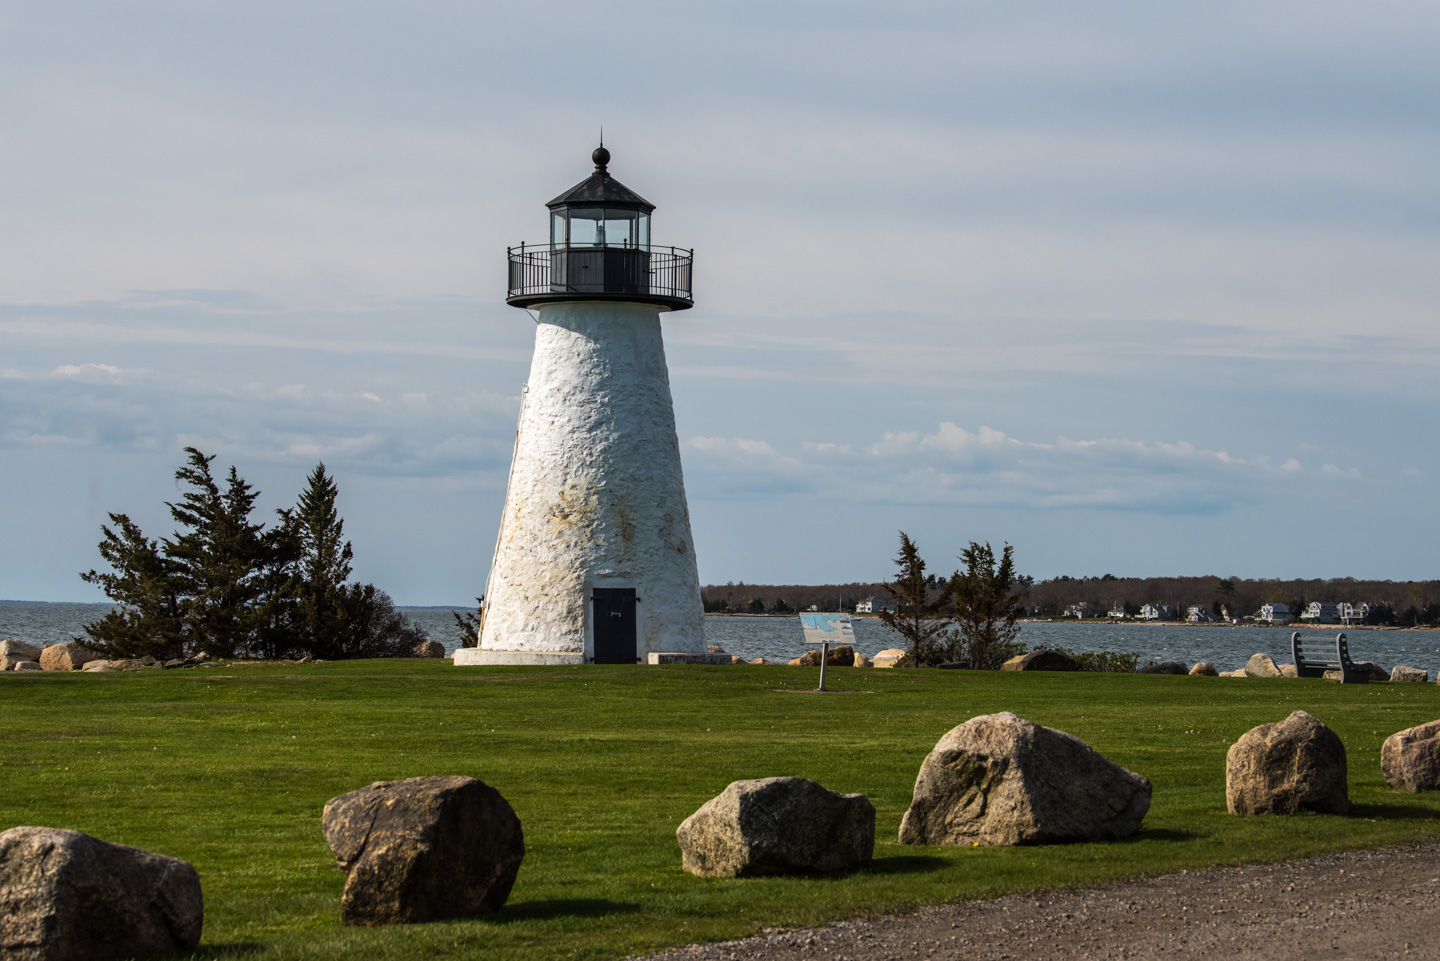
(594, 562)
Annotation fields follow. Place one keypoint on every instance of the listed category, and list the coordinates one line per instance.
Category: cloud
(985, 467)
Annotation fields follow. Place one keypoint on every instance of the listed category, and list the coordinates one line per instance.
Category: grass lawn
(229, 768)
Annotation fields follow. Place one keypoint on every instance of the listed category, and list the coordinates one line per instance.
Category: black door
(614, 610)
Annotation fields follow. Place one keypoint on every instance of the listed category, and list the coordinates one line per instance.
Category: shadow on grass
(207, 952)
(1393, 812)
(906, 864)
(559, 908)
(1159, 834)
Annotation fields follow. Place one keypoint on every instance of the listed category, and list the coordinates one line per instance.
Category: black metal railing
(654, 273)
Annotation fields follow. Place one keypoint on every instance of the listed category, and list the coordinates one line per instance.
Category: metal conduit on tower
(595, 562)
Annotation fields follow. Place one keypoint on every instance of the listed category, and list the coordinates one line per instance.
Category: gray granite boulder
(1204, 669)
(423, 849)
(1162, 667)
(999, 779)
(861, 661)
(19, 650)
(1410, 759)
(1413, 675)
(70, 656)
(67, 896)
(1262, 665)
(777, 825)
(1297, 764)
(891, 657)
(427, 649)
(1041, 660)
(99, 664)
(27, 666)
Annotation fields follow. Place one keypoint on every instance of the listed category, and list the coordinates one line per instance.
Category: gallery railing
(653, 273)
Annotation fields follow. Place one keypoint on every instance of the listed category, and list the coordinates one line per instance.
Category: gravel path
(1356, 906)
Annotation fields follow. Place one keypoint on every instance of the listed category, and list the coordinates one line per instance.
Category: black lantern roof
(601, 188)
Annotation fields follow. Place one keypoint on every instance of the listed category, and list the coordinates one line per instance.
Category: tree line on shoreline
(1399, 603)
(228, 586)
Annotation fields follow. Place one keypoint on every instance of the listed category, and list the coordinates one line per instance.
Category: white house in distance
(1195, 614)
(1080, 610)
(1354, 613)
(1276, 613)
(872, 605)
(1321, 612)
(1157, 612)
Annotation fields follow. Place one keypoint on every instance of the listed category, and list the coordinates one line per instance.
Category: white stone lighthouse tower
(594, 561)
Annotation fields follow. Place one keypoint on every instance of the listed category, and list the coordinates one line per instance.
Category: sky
(1141, 289)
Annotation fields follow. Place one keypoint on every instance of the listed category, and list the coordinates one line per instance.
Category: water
(780, 638)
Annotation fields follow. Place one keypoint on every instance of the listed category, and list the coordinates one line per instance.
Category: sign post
(826, 629)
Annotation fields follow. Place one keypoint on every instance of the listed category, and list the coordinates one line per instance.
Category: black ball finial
(601, 156)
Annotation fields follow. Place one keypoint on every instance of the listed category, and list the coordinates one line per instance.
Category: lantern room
(600, 249)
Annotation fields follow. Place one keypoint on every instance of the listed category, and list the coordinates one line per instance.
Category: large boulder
(1041, 660)
(1162, 667)
(1296, 764)
(1413, 675)
(70, 656)
(891, 657)
(1204, 669)
(19, 650)
(1410, 759)
(67, 896)
(777, 825)
(1000, 779)
(1262, 665)
(428, 649)
(842, 656)
(423, 849)
(862, 661)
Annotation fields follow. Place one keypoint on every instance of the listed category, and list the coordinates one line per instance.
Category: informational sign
(832, 629)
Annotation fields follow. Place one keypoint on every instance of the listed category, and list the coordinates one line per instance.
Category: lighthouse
(594, 562)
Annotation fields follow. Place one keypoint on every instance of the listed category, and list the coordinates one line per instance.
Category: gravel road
(1356, 906)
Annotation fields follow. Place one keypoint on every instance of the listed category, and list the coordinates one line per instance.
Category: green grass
(229, 768)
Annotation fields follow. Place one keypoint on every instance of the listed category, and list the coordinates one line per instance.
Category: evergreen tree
(918, 618)
(143, 582)
(322, 563)
(219, 557)
(987, 606)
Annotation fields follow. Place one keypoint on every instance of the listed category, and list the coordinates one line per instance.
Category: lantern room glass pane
(643, 234)
(557, 228)
(586, 226)
(621, 228)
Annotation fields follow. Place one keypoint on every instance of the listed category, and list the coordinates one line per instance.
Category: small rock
(891, 657)
(777, 825)
(1000, 779)
(762, 660)
(1296, 764)
(19, 650)
(1413, 675)
(861, 661)
(423, 849)
(1041, 660)
(427, 649)
(70, 656)
(737, 659)
(794, 662)
(67, 896)
(27, 666)
(1262, 665)
(99, 664)
(1410, 759)
(714, 649)
(1204, 669)
(176, 662)
(1163, 667)
(1288, 670)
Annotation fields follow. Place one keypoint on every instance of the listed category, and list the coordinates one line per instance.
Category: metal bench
(1315, 655)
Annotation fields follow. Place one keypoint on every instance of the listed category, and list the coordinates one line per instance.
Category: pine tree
(919, 618)
(219, 558)
(143, 582)
(987, 606)
(322, 563)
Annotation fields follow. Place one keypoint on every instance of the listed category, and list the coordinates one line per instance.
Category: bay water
(780, 638)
